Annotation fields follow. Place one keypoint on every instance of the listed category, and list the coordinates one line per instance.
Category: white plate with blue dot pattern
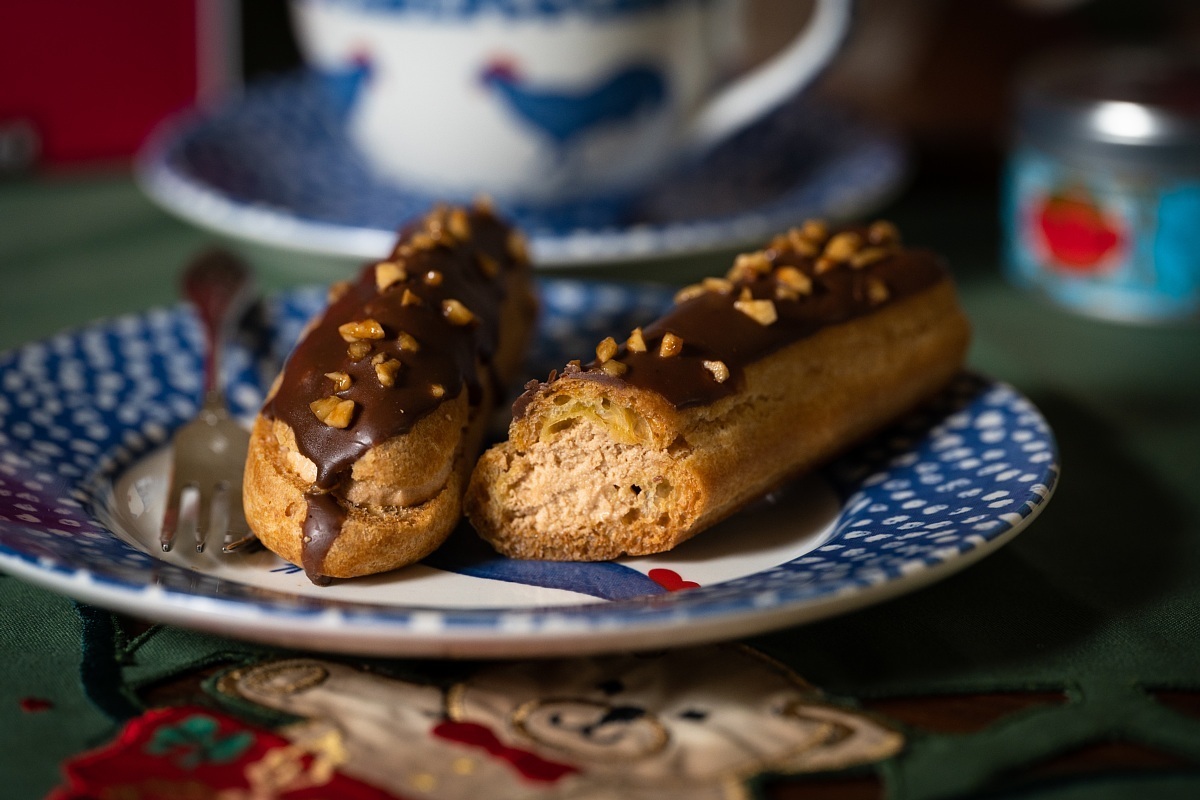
(85, 423)
(273, 167)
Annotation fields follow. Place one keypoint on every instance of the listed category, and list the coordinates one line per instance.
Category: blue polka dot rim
(86, 419)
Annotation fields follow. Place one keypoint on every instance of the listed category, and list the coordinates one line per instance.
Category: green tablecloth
(1065, 665)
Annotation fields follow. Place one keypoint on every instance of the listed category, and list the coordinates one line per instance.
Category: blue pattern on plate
(275, 167)
(76, 409)
(466, 554)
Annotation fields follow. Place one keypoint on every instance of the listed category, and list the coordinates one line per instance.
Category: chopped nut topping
(749, 266)
(459, 224)
(877, 291)
(573, 366)
(636, 341)
(358, 350)
(442, 235)
(410, 298)
(362, 329)
(814, 230)
(338, 290)
(784, 293)
(746, 294)
(719, 371)
(869, 255)
(407, 343)
(437, 390)
(758, 261)
(378, 358)
(606, 349)
(517, 247)
(436, 227)
(388, 273)
(824, 264)
(404, 251)
(794, 279)
(323, 406)
(456, 313)
(386, 372)
(614, 368)
(422, 241)
(720, 285)
(883, 232)
(333, 411)
(670, 346)
(689, 292)
(433, 278)
(484, 203)
(842, 246)
(779, 243)
(341, 381)
(801, 244)
(487, 265)
(761, 311)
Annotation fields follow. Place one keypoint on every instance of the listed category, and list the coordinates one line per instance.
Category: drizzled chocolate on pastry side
(803, 281)
(409, 334)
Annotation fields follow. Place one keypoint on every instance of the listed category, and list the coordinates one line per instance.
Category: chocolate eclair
(360, 455)
(804, 348)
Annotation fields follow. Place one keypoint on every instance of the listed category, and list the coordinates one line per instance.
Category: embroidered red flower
(190, 752)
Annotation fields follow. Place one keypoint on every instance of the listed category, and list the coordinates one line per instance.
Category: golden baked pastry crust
(374, 538)
(597, 467)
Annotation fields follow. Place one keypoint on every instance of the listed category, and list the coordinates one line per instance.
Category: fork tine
(203, 511)
(217, 516)
(206, 514)
(170, 525)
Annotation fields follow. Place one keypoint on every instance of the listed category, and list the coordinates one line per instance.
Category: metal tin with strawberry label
(1102, 198)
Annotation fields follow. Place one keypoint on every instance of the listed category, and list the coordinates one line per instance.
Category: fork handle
(219, 286)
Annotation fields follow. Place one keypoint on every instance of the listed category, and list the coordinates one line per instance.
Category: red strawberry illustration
(1076, 231)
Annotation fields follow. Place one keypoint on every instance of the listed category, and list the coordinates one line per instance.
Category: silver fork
(210, 451)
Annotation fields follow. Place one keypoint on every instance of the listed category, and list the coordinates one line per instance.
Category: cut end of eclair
(582, 491)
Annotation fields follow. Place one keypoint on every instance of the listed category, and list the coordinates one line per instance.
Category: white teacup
(546, 101)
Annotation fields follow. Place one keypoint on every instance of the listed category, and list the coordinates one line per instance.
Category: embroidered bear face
(694, 716)
(688, 723)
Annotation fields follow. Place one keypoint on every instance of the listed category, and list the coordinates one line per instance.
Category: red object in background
(1076, 232)
(93, 78)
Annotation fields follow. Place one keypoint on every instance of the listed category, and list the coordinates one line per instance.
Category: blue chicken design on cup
(564, 114)
(540, 102)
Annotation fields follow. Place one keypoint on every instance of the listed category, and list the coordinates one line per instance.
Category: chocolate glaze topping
(452, 255)
(871, 271)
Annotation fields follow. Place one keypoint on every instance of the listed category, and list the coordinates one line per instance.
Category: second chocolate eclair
(804, 348)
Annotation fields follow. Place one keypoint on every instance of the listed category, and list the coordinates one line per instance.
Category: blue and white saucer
(85, 423)
(273, 167)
